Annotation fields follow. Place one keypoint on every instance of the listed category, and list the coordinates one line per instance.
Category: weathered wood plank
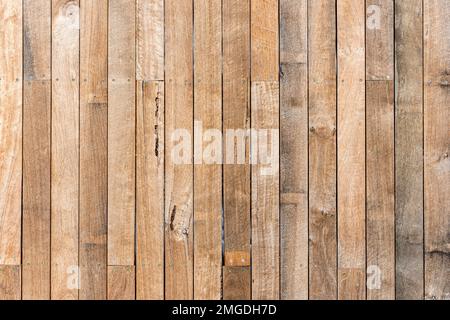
(65, 149)
(10, 282)
(380, 190)
(322, 150)
(437, 144)
(264, 37)
(265, 191)
(207, 131)
(10, 131)
(236, 171)
(409, 149)
(294, 149)
(121, 132)
(150, 40)
(178, 156)
(93, 148)
(351, 149)
(150, 191)
(121, 282)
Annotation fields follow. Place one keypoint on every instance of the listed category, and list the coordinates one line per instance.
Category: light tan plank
(380, 191)
(150, 39)
(409, 149)
(10, 131)
(121, 132)
(351, 150)
(264, 35)
(121, 282)
(294, 149)
(437, 144)
(150, 191)
(208, 168)
(65, 150)
(93, 148)
(236, 172)
(265, 192)
(10, 282)
(179, 176)
(322, 150)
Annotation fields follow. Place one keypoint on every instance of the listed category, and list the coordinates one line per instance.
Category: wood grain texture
(265, 191)
(150, 39)
(179, 170)
(351, 150)
(121, 132)
(10, 132)
(409, 149)
(236, 116)
(322, 150)
(121, 283)
(380, 190)
(437, 145)
(208, 168)
(294, 149)
(65, 149)
(150, 191)
(10, 282)
(93, 148)
(265, 40)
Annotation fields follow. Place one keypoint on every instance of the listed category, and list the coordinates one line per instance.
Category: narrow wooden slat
(150, 191)
(10, 282)
(351, 149)
(208, 168)
(437, 138)
(322, 149)
(179, 132)
(380, 150)
(121, 282)
(10, 131)
(380, 191)
(265, 191)
(409, 149)
(236, 173)
(121, 132)
(36, 188)
(264, 37)
(93, 148)
(150, 40)
(65, 149)
(294, 148)
(236, 283)
(36, 150)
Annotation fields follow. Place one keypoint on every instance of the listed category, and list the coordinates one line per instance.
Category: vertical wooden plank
(207, 133)
(380, 191)
(265, 191)
(264, 40)
(93, 148)
(10, 131)
(178, 155)
(36, 150)
(409, 149)
(236, 171)
(10, 282)
(437, 138)
(65, 149)
(294, 149)
(150, 39)
(380, 150)
(351, 149)
(322, 150)
(150, 191)
(121, 282)
(121, 133)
